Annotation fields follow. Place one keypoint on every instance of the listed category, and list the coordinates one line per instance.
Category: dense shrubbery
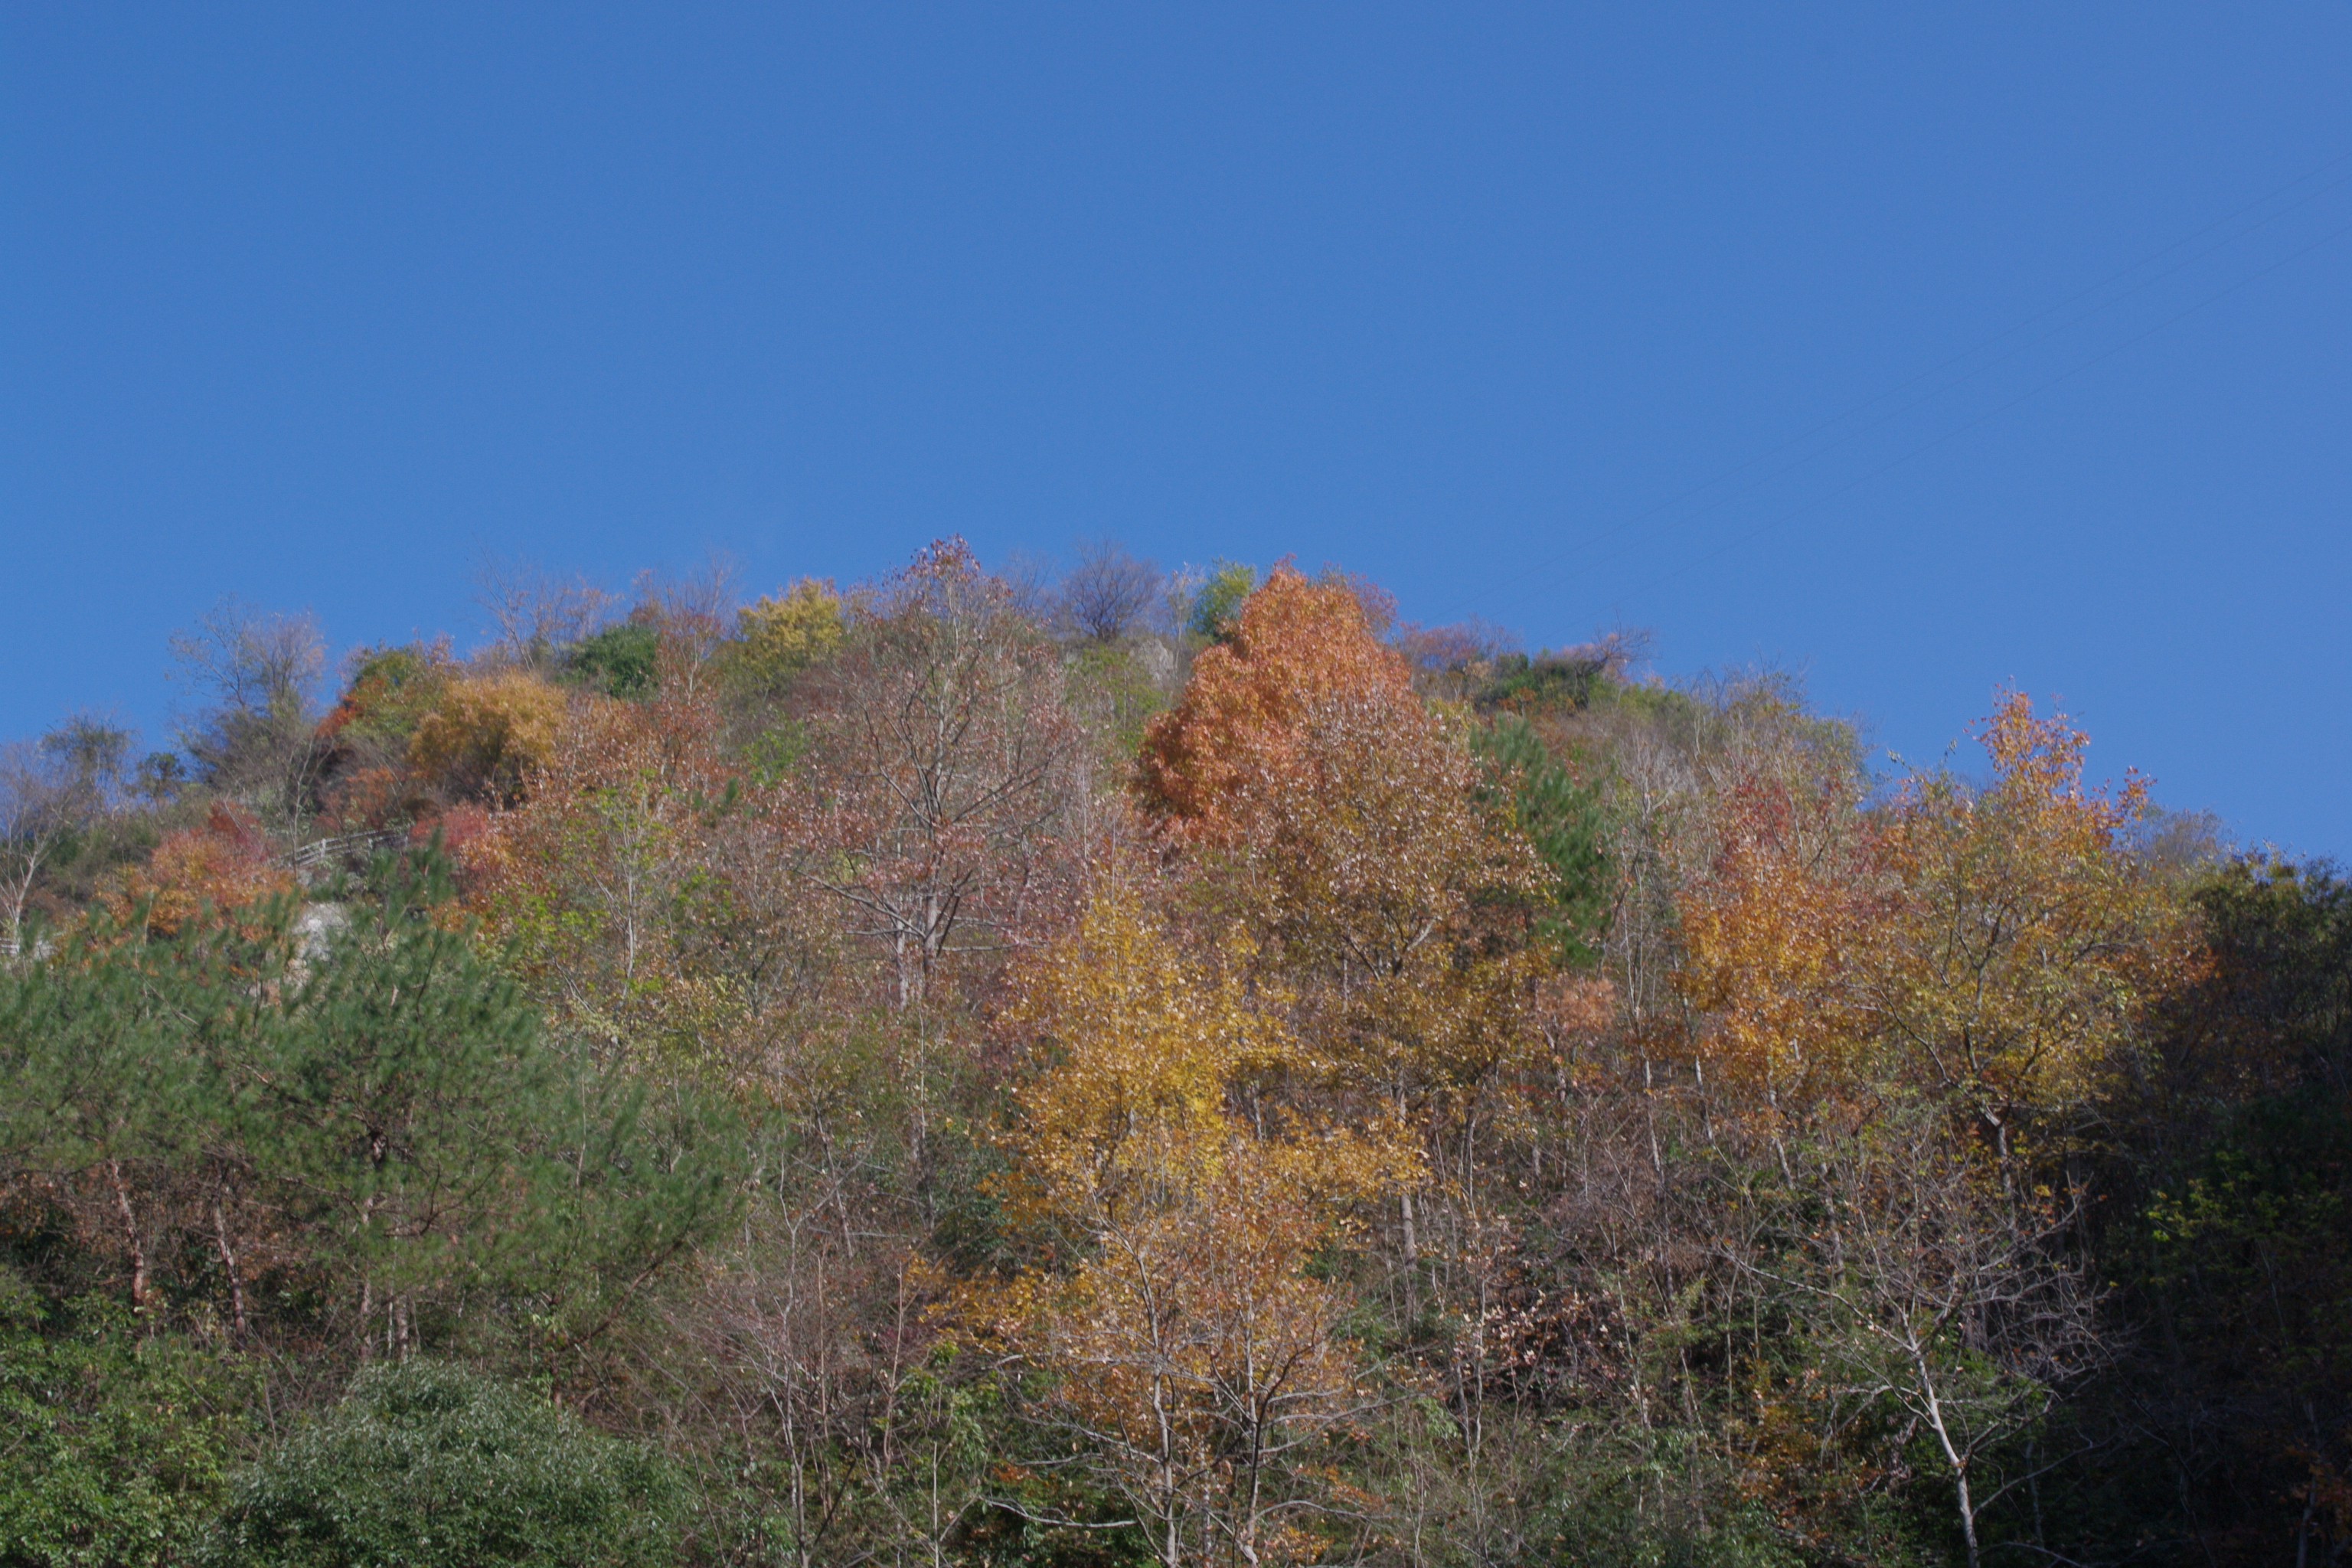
(119, 1444)
(427, 1465)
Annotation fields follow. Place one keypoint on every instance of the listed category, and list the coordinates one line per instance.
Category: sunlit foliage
(1108, 1067)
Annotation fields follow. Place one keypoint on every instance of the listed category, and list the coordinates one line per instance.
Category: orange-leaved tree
(1920, 1009)
(1295, 644)
(1343, 820)
(198, 873)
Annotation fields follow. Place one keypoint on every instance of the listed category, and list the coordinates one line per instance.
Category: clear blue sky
(311, 303)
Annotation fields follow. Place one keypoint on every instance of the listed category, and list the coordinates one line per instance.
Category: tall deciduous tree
(252, 737)
(941, 793)
(1345, 822)
(1195, 1356)
(2030, 942)
(1777, 945)
(1929, 1292)
(2003, 945)
(1291, 646)
(1108, 591)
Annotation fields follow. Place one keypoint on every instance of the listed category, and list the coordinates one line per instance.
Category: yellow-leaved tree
(486, 734)
(1776, 942)
(1923, 1012)
(1996, 945)
(780, 635)
(2030, 938)
(1194, 1350)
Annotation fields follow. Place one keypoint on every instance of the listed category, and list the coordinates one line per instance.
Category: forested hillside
(1116, 1069)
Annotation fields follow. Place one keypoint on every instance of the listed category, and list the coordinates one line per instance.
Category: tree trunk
(228, 1264)
(139, 1275)
(1967, 1515)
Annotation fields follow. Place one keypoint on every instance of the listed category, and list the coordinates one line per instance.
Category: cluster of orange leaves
(1328, 806)
(1297, 647)
(197, 873)
(1999, 944)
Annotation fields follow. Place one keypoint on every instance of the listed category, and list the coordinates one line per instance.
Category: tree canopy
(1141, 1066)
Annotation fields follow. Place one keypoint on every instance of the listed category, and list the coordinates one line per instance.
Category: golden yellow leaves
(782, 635)
(1993, 944)
(1144, 1046)
(487, 732)
(2029, 937)
(1142, 1049)
(1174, 1303)
(1775, 947)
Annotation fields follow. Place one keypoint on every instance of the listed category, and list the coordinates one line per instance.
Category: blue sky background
(2016, 340)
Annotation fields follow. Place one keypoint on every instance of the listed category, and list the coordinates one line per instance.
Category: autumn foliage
(1173, 1068)
(1173, 1300)
(2001, 944)
(1297, 649)
(196, 874)
(486, 732)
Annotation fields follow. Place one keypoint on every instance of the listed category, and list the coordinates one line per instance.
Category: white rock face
(316, 928)
(1159, 661)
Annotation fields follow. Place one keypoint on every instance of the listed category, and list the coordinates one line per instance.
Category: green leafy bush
(1566, 823)
(115, 1446)
(620, 661)
(425, 1465)
(1216, 604)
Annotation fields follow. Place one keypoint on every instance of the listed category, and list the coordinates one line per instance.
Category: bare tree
(1935, 1291)
(249, 660)
(1033, 585)
(1108, 592)
(709, 592)
(942, 770)
(533, 612)
(692, 614)
(96, 753)
(42, 799)
(258, 673)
